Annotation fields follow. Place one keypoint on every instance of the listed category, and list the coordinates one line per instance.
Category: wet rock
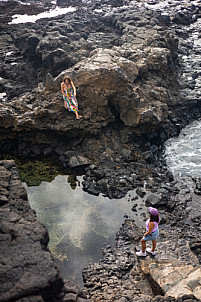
(103, 185)
(140, 192)
(134, 207)
(92, 190)
(97, 174)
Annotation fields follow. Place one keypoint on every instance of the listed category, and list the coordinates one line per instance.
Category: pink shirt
(155, 225)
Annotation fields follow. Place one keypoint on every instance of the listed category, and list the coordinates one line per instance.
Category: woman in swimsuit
(69, 95)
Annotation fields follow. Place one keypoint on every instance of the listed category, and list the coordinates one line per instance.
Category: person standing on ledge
(151, 234)
(69, 95)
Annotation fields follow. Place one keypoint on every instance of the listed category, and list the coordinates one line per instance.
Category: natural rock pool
(79, 224)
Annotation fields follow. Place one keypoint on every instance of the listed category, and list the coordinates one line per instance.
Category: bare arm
(74, 89)
(62, 89)
(151, 226)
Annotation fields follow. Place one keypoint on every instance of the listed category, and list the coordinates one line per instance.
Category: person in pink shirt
(151, 234)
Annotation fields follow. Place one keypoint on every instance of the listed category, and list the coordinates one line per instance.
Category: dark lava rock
(154, 200)
(140, 192)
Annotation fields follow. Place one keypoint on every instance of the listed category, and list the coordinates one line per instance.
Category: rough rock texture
(174, 273)
(108, 77)
(173, 278)
(124, 62)
(136, 66)
(27, 269)
(108, 87)
(24, 238)
(178, 245)
(130, 81)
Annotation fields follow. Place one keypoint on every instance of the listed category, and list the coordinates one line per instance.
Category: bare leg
(143, 245)
(77, 116)
(153, 245)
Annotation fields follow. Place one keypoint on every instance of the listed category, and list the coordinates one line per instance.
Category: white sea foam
(183, 153)
(3, 96)
(9, 53)
(98, 10)
(161, 5)
(49, 14)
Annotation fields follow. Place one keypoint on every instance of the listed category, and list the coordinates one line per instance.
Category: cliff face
(126, 70)
(122, 58)
(28, 269)
(125, 60)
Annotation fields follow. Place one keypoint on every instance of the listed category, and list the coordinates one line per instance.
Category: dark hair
(67, 78)
(154, 218)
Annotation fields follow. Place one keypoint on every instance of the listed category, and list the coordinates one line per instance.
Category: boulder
(106, 88)
(27, 45)
(108, 77)
(78, 161)
(154, 200)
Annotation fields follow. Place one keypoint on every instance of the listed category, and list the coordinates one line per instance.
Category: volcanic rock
(78, 161)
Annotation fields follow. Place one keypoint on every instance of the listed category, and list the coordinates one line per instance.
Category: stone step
(172, 277)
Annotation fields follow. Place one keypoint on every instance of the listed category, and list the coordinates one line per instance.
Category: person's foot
(141, 254)
(78, 117)
(149, 250)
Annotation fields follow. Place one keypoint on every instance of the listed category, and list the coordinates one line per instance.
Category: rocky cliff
(126, 61)
(131, 62)
(127, 70)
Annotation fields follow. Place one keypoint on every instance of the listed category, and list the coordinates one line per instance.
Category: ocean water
(183, 153)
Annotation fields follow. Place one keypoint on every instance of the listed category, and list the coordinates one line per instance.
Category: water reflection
(79, 224)
(73, 181)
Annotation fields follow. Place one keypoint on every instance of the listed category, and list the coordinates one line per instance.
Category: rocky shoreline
(131, 64)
